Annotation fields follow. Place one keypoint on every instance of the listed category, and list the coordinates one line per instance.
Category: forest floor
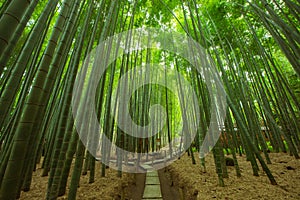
(193, 183)
(108, 187)
(183, 180)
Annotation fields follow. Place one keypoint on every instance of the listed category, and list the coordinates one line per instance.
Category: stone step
(151, 174)
(152, 192)
(152, 180)
(147, 167)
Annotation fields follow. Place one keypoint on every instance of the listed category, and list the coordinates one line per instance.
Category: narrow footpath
(159, 185)
(152, 184)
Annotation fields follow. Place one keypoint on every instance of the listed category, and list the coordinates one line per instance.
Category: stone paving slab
(151, 174)
(152, 192)
(152, 180)
(159, 161)
(147, 167)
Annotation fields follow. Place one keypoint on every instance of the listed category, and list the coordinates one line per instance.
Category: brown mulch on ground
(183, 180)
(130, 186)
(194, 183)
(168, 189)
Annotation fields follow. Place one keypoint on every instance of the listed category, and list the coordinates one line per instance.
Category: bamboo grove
(254, 46)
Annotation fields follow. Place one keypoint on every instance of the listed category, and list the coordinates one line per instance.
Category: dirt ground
(106, 188)
(193, 183)
(183, 180)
